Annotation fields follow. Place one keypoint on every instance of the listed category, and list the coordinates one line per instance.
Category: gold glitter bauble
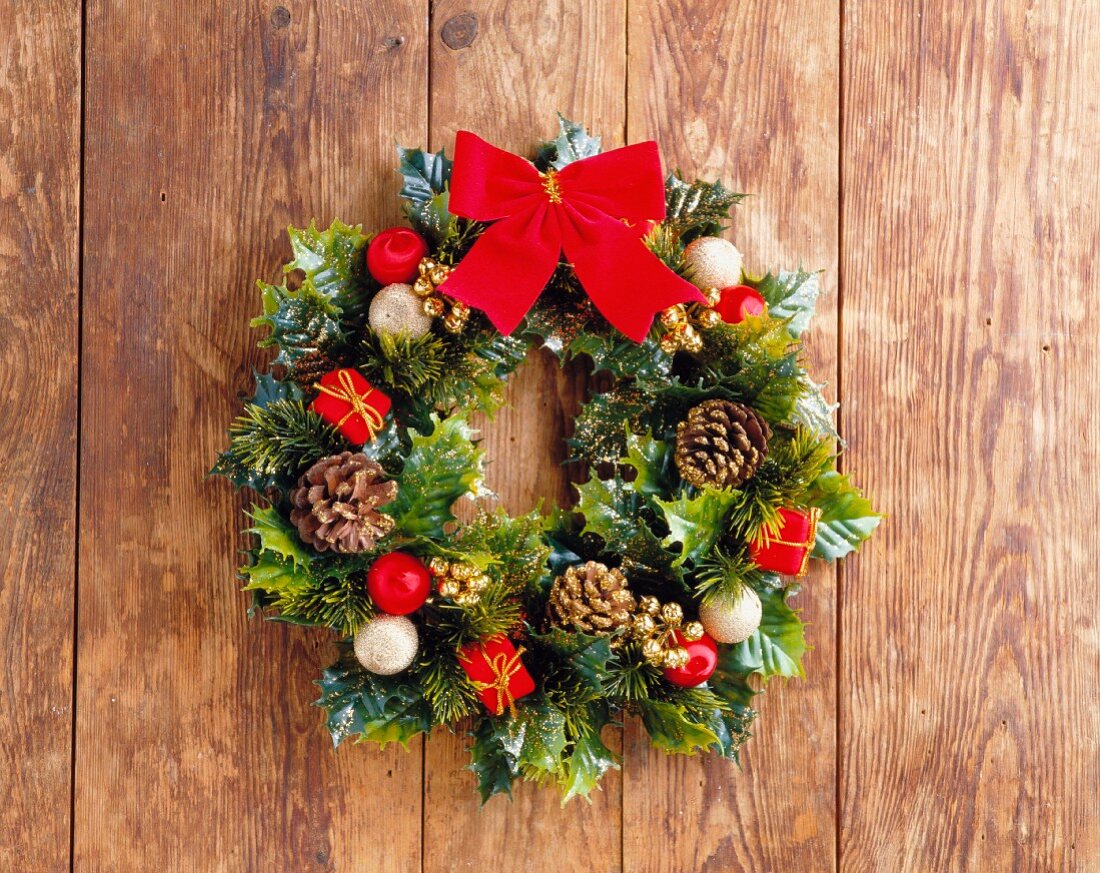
(712, 262)
(732, 620)
(396, 309)
(387, 644)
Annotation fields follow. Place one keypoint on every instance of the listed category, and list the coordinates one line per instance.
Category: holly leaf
(792, 295)
(542, 726)
(332, 261)
(277, 535)
(423, 174)
(269, 389)
(585, 766)
(492, 759)
(696, 522)
(813, 412)
(777, 646)
(304, 323)
(671, 729)
(270, 573)
(598, 431)
(381, 709)
(698, 208)
(847, 517)
(735, 716)
(572, 144)
(439, 468)
(622, 357)
(652, 460)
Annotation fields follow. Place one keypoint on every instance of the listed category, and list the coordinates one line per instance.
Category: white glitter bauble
(387, 644)
(712, 262)
(732, 620)
(396, 309)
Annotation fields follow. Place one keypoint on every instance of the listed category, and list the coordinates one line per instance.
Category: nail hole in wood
(393, 41)
(459, 32)
(989, 321)
(1046, 348)
(280, 17)
(163, 196)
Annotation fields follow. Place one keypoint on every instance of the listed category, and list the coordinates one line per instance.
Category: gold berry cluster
(455, 313)
(459, 582)
(683, 323)
(655, 625)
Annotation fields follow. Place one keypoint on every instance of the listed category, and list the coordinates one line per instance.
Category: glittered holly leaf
(612, 511)
(517, 547)
(671, 728)
(790, 295)
(777, 646)
(382, 709)
(493, 758)
(847, 517)
(598, 431)
(652, 459)
(622, 357)
(697, 208)
(732, 720)
(813, 412)
(305, 326)
(439, 468)
(584, 655)
(540, 729)
(696, 522)
(277, 535)
(585, 766)
(572, 144)
(423, 174)
(333, 263)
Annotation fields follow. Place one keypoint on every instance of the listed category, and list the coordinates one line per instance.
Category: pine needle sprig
(338, 601)
(629, 676)
(496, 612)
(401, 362)
(279, 440)
(722, 576)
(444, 682)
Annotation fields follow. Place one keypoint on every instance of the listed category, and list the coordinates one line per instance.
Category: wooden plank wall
(938, 161)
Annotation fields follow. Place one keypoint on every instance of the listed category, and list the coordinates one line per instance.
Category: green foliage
(423, 174)
(696, 522)
(813, 412)
(777, 646)
(278, 536)
(673, 730)
(333, 264)
(496, 612)
(652, 461)
(697, 208)
(382, 709)
(517, 546)
(445, 686)
(572, 144)
(494, 757)
(847, 517)
(585, 765)
(790, 295)
(403, 364)
(304, 325)
(598, 431)
(271, 445)
(275, 576)
(440, 467)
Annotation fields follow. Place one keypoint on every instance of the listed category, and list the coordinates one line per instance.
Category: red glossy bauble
(738, 302)
(398, 583)
(394, 255)
(703, 658)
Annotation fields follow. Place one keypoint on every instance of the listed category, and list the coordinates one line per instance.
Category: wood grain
(39, 311)
(210, 128)
(971, 645)
(502, 69)
(748, 93)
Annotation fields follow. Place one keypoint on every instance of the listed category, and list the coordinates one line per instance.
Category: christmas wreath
(665, 591)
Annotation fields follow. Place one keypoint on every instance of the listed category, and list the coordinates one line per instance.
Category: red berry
(702, 659)
(394, 255)
(398, 583)
(738, 302)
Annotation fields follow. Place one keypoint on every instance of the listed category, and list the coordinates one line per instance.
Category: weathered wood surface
(210, 127)
(971, 650)
(938, 163)
(39, 317)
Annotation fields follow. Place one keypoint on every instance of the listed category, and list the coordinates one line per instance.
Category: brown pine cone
(591, 599)
(336, 504)
(721, 444)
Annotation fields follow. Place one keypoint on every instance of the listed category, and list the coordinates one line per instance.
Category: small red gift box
(348, 401)
(787, 553)
(495, 670)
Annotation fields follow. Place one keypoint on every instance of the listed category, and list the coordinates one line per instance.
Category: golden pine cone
(335, 505)
(591, 599)
(721, 444)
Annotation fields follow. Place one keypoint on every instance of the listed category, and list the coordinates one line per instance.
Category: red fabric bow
(595, 210)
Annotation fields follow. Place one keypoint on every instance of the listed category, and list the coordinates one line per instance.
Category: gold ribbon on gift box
(359, 406)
